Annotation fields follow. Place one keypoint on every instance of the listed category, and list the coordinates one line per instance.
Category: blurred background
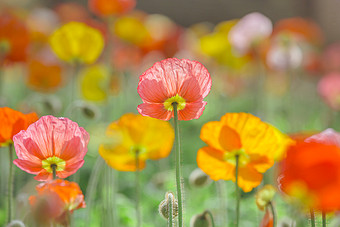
(286, 72)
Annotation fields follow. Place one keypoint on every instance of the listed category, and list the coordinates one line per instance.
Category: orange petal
(229, 139)
(248, 178)
(267, 220)
(211, 162)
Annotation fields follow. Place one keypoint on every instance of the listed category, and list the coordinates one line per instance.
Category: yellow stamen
(49, 162)
(178, 99)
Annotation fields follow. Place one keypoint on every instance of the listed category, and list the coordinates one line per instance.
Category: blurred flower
(44, 76)
(131, 29)
(151, 138)
(172, 80)
(311, 171)
(14, 38)
(249, 31)
(51, 143)
(299, 28)
(253, 141)
(264, 196)
(329, 89)
(111, 7)
(76, 42)
(217, 46)
(267, 220)
(95, 83)
(12, 122)
(55, 201)
(71, 11)
(41, 23)
(331, 58)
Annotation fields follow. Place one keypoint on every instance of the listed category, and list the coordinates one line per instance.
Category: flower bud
(198, 178)
(164, 206)
(264, 196)
(201, 220)
(16, 223)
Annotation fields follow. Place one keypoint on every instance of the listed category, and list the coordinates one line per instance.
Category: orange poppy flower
(132, 133)
(242, 134)
(111, 7)
(301, 28)
(44, 76)
(49, 144)
(56, 200)
(12, 122)
(14, 38)
(311, 171)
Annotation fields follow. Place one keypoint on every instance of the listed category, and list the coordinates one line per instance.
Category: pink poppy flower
(329, 89)
(172, 80)
(49, 143)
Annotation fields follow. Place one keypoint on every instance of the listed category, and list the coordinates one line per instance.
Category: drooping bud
(202, 220)
(16, 223)
(264, 196)
(165, 204)
(198, 178)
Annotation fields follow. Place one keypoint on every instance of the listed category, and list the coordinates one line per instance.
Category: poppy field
(111, 116)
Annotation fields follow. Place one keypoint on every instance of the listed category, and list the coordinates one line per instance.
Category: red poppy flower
(56, 200)
(12, 122)
(51, 143)
(311, 171)
(111, 7)
(172, 80)
(14, 38)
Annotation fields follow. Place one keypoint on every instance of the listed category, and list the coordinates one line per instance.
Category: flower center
(243, 157)
(175, 99)
(5, 47)
(51, 162)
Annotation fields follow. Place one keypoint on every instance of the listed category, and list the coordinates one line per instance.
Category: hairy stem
(178, 166)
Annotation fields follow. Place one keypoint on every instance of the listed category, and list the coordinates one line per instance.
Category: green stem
(10, 183)
(237, 191)
(54, 170)
(211, 217)
(170, 209)
(324, 219)
(312, 218)
(272, 209)
(138, 214)
(178, 166)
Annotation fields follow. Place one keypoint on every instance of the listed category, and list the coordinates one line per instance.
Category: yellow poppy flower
(76, 42)
(151, 138)
(217, 46)
(94, 83)
(243, 135)
(131, 29)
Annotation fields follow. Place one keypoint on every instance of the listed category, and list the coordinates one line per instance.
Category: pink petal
(44, 176)
(70, 169)
(328, 136)
(27, 149)
(28, 166)
(192, 111)
(155, 111)
(165, 79)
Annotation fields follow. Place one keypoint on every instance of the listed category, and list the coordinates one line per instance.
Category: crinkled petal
(155, 111)
(248, 178)
(28, 166)
(211, 162)
(192, 110)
